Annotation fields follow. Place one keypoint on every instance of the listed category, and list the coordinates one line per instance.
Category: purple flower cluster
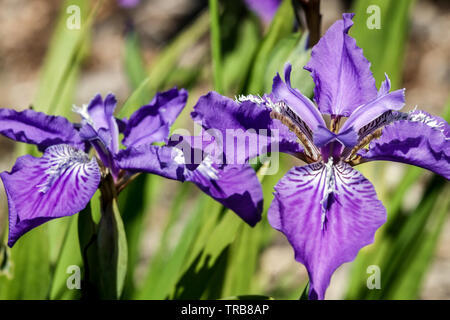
(64, 179)
(327, 210)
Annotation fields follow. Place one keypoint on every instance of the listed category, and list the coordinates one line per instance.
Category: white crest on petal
(206, 168)
(179, 156)
(278, 106)
(330, 188)
(252, 98)
(420, 116)
(59, 158)
(260, 101)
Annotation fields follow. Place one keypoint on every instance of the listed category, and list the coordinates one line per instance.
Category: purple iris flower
(128, 3)
(265, 9)
(327, 210)
(62, 181)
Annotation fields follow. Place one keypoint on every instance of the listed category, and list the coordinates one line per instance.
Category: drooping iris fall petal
(328, 213)
(185, 159)
(239, 123)
(421, 140)
(58, 184)
(100, 115)
(37, 128)
(234, 186)
(160, 160)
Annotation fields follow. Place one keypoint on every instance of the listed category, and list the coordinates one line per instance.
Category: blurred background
(44, 65)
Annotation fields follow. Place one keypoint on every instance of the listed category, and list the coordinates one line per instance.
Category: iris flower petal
(301, 105)
(265, 9)
(234, 186)
(58, 184)
(129, 3)
(38, 128)
(323, 136)
(422, 140)
(340, 71)
(151, 123)
(159, 160)
(384, 102)
(328, 213)
(237, 123)
(101, 113)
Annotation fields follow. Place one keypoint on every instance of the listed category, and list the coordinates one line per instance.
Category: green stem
(215, 45)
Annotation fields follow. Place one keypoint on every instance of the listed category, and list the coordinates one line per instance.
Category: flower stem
(313, 17)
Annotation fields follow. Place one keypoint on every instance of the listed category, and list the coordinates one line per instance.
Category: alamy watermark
(374, 20)
(74, 280)
(73, 21)
(374, 280)
(231, 146)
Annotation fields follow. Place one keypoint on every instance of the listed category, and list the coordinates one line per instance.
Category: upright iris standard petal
(327, 213)
(101, 128)
(101, 117)
(301, 105)
(422, 140)
(237, 124)
(340, 71)
(58, 184)
(38, 128)
(100, 140)
(265, 9)
(385, 86)
(151, 123)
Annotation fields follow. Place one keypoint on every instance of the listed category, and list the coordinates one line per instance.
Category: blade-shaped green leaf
(207, 257)
(291, 49)
(29, 276)
(63, 60)
(281, 26)
(134, 63)
(237, 63)
(166, 268)
(134, 203)
(69, 256)
(164, 65)
(384, 47)
(112, 252)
